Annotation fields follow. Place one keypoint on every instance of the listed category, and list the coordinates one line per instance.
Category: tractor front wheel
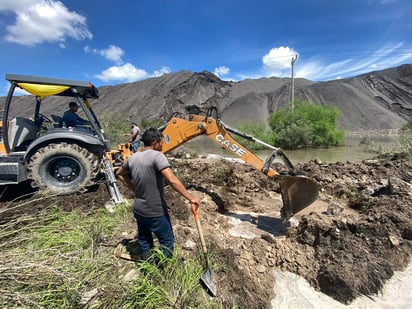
(63, 168)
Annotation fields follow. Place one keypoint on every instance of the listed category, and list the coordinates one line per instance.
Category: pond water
(356, 149)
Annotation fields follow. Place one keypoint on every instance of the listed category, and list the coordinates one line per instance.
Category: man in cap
(71, 119)
(134, 135)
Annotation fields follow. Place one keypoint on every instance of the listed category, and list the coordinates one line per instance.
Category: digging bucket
(297, 192)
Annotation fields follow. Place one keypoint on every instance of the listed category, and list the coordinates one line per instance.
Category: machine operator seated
(70, 117)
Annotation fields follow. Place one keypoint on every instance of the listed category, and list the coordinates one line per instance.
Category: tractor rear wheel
(63, 168)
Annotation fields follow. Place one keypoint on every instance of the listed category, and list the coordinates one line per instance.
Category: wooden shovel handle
(194, 210)
(199, 228)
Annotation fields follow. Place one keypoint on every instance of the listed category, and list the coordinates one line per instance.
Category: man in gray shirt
(144, 174)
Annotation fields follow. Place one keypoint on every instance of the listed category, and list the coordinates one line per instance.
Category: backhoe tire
(63, 168)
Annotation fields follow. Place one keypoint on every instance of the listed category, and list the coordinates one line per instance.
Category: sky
(109, 42)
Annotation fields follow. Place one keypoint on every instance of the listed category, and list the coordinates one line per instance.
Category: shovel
(206, 277)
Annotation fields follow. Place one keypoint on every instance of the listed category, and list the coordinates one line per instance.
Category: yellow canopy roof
(43, 90)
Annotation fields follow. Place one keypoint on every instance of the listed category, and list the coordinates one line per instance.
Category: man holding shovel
(144, 174)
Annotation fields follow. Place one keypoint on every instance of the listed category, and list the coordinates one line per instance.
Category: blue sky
(111, 42)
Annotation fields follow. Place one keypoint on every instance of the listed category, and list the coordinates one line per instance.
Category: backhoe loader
(298, 191)
(52, 156)
(65, 160)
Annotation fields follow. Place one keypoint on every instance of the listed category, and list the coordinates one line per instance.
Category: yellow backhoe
(298, 191)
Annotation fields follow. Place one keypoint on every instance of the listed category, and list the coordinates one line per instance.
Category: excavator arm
(297, 191)
(179, 131)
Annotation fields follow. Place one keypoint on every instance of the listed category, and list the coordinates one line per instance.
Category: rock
(130, 276)
(260, 268)
(268, 238)
(87, 296)
(334, 209)
(189, 245)
(110, 206)
(394, 241)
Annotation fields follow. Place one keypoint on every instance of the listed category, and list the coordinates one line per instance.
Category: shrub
(308, 125)
(115, 125)
(405, 139)
(257, 130)
(145, 123)
(407, 126)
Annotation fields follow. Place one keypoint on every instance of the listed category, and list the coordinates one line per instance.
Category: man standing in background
(134, 135)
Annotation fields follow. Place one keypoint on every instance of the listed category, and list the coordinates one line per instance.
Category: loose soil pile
(347, 243)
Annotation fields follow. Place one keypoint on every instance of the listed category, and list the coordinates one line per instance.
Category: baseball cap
(133, 122)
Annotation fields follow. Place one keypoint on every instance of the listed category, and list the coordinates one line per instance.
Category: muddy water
(356, 149)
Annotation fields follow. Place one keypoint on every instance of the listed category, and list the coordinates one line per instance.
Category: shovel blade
(207, 281)
(298, 192)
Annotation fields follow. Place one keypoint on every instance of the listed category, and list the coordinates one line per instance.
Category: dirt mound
(348, 243)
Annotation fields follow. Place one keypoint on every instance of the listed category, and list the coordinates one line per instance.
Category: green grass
(405, 142)
(171, 285)
(403, 145)
(53, 258)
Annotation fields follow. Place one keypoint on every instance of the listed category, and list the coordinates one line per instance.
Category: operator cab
(28, 102)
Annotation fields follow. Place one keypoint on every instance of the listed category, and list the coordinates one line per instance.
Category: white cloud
(387, 56)
(129, 73)
(43, 21)
(277, 63)
(17, 5)
(112, 53)
(383, 2)
(162, 71)
(278, 60)
(122, 72)
(221, 71)
(126, 72)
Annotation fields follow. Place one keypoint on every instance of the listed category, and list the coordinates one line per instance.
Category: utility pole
(292, 95)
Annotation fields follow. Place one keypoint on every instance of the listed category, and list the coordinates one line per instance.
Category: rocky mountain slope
(373, 101)
(377, 100)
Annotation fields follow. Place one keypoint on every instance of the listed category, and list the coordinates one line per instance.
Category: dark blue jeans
(136, 146)
(159, 226)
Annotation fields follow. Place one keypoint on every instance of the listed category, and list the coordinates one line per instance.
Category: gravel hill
(374, 101)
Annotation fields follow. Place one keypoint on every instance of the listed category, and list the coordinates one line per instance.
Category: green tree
(308, 125)
(257, 130)
(405, 138)
(407, 126)
(115, 125)
(145, 123)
